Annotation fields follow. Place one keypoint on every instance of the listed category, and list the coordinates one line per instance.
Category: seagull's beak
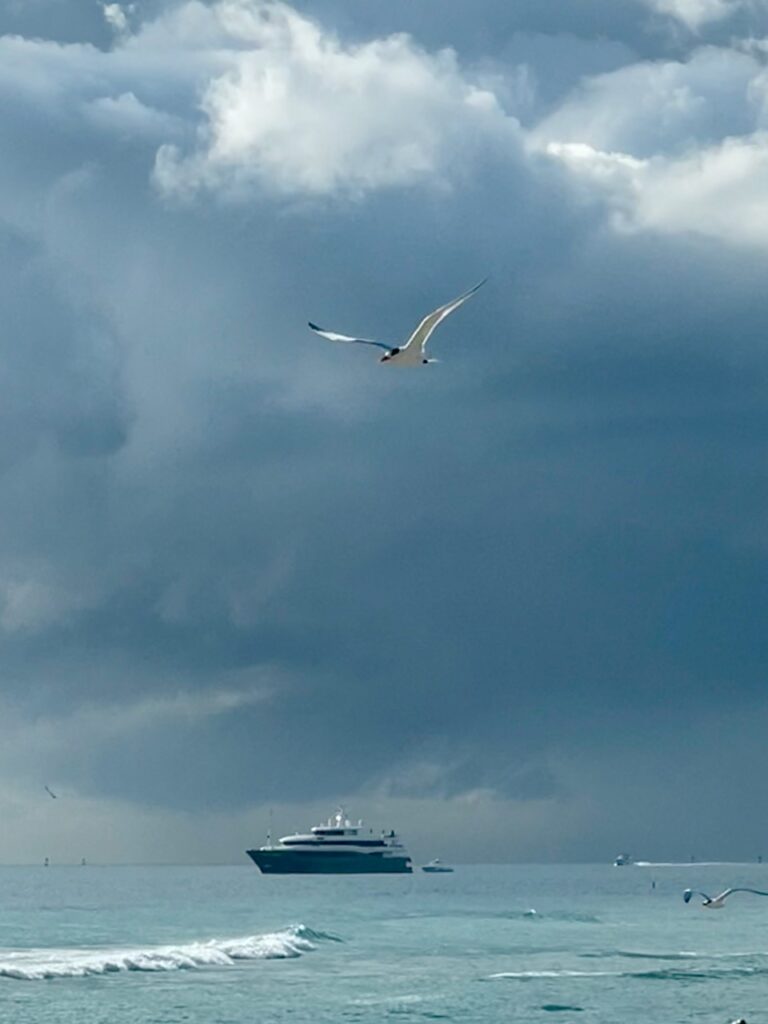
(384, 359)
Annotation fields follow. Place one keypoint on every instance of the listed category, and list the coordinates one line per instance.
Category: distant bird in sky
(413, 352)
(50, 793)
(717, 902)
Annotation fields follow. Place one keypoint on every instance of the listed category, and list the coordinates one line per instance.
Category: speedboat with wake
(436, 867)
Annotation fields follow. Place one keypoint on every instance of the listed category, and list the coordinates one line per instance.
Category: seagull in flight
(413, 352)
(50, 793)
(717, 902)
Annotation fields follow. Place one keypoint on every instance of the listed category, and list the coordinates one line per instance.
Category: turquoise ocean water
(226, 945)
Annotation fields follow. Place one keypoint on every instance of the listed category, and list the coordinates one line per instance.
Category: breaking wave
(42, 964)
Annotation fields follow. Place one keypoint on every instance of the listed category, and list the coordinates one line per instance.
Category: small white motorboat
(436, 866)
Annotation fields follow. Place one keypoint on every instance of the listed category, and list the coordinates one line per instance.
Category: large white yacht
(337, 847)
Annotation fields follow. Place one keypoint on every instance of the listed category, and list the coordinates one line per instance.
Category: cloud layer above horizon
(241, 567)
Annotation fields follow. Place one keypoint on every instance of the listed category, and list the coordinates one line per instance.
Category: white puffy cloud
(299, 111)
(720, 192)
(695, 13)
(116, 16)
(126, 115)
(675, 147)
(269, 100)
(654, 107)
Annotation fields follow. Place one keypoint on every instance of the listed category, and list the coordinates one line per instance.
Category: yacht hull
(296, 862)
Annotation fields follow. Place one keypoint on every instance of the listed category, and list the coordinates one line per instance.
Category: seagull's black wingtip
(314, 326)
(476, 287)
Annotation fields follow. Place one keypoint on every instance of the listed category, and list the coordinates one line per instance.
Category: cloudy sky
(514, 605)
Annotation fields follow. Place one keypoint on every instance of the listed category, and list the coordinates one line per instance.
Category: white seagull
(717, 902)
(413, 352)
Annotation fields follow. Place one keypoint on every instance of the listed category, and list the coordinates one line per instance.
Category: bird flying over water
(413, 352)
(50, 793)
(717, 902)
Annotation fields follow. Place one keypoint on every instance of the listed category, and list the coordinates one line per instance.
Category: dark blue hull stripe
(297, 862)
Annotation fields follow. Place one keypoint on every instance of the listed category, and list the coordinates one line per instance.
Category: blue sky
(513, 604)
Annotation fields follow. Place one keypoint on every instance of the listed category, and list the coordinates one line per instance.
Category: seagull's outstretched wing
(332, 336)
(50, 793)
(756, 892)
(695, 892)
(421, 335)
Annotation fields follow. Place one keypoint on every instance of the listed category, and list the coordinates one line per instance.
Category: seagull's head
(388, 355)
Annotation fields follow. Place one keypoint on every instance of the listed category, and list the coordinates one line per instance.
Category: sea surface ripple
(221, 945)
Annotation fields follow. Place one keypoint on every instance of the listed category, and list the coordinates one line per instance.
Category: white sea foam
(659, 974)
(406, 999)
(555, 974)
(41, 964)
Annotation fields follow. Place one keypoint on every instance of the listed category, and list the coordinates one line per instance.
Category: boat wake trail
(662, 974)
(682, 955)
(43, 964)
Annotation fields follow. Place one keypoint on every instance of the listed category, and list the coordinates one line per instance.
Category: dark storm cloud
(492, 26)
(423, 585)
(435, 22)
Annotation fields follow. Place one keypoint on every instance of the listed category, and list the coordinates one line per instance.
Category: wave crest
(44, 964)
